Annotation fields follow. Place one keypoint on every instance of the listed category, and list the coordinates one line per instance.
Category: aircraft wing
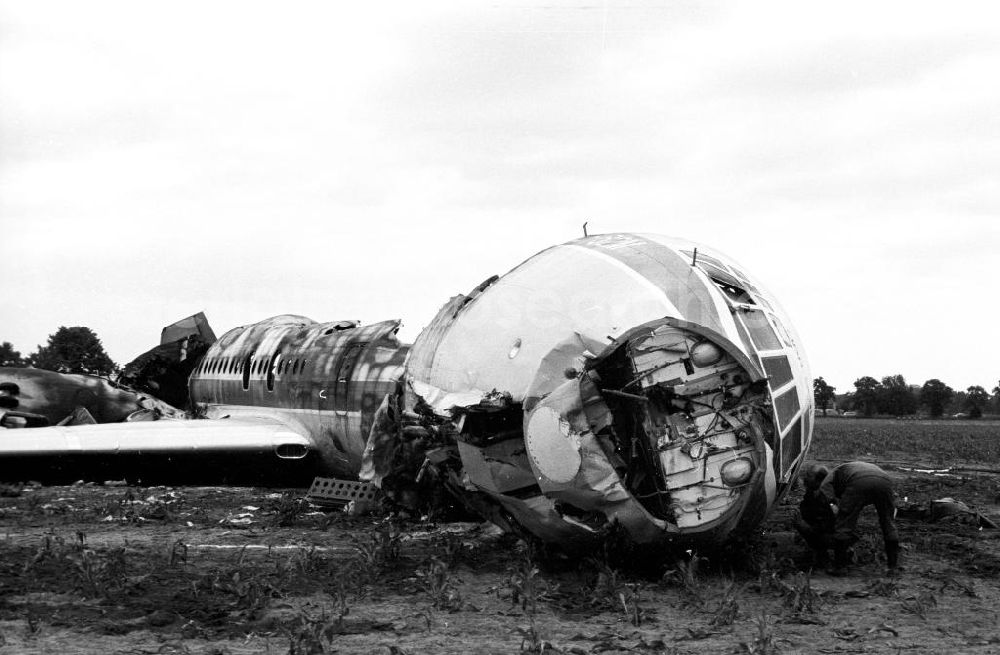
(166, 449)
(164, 436)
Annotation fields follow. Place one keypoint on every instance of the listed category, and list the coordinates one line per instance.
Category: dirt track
(94, 569)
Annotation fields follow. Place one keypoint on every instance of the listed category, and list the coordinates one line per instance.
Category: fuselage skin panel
(325, 379)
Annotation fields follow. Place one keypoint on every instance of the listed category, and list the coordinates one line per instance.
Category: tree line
(69, 350)
(894, 397)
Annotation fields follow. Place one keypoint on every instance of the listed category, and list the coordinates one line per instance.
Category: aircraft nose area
(622, 380)
(664, 433)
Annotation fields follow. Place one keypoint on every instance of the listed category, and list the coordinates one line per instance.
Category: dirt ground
(114, 569)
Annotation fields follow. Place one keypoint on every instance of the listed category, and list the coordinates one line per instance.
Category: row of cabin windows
(234, 365)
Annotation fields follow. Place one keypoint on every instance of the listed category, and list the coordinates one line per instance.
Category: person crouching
(852, 486)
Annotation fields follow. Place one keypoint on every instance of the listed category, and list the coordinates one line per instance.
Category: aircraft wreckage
(623, 380)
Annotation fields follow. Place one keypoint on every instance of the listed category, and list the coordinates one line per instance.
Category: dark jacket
(847, 474)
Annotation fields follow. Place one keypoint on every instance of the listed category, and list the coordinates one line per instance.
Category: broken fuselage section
(638, 388)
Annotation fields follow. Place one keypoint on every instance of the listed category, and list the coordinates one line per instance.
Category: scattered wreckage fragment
(32, 397)
(625, 380)
(163, 371)
(152, 386)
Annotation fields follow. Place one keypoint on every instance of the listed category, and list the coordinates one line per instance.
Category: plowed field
(109, 569)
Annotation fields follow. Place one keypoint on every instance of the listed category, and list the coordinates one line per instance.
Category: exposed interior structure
(689, 424)
(663, 433)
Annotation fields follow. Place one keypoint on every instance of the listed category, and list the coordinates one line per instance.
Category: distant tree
(823, 393)
(935, 395)
(958, 403)
(73, 350)
(996, 397)
(976, 399)
(895, 397)
(9, 356)
(866, 394)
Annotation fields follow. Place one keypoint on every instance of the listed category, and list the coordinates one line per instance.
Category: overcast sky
(369, 160)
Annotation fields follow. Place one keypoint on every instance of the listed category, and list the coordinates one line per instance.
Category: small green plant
(100, 574)
(631, 606)
(685, 574)
(311, 636)
(380, 550)
(96, 573)
(527, 588)
(288, 509)
(531, 641)
(728, 609)
(800, 597)
(762, 642)
(305, 561)
(435, 578)
(251, 590)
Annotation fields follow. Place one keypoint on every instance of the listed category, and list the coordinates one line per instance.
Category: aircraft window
(782, 332)
(760, 330)
(733, 288)
(791, 446)
(246, 372)
(786, 406)
(740, 274)
(744, 336)
(779, 372)
(270, 370)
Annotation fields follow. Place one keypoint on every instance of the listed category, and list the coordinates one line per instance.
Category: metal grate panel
(334, 492)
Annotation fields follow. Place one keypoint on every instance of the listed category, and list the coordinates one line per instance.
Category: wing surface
(166, 437)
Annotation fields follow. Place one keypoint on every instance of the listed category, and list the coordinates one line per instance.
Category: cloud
(369, 161)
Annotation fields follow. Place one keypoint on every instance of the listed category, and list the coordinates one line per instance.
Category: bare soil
(108, 569)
